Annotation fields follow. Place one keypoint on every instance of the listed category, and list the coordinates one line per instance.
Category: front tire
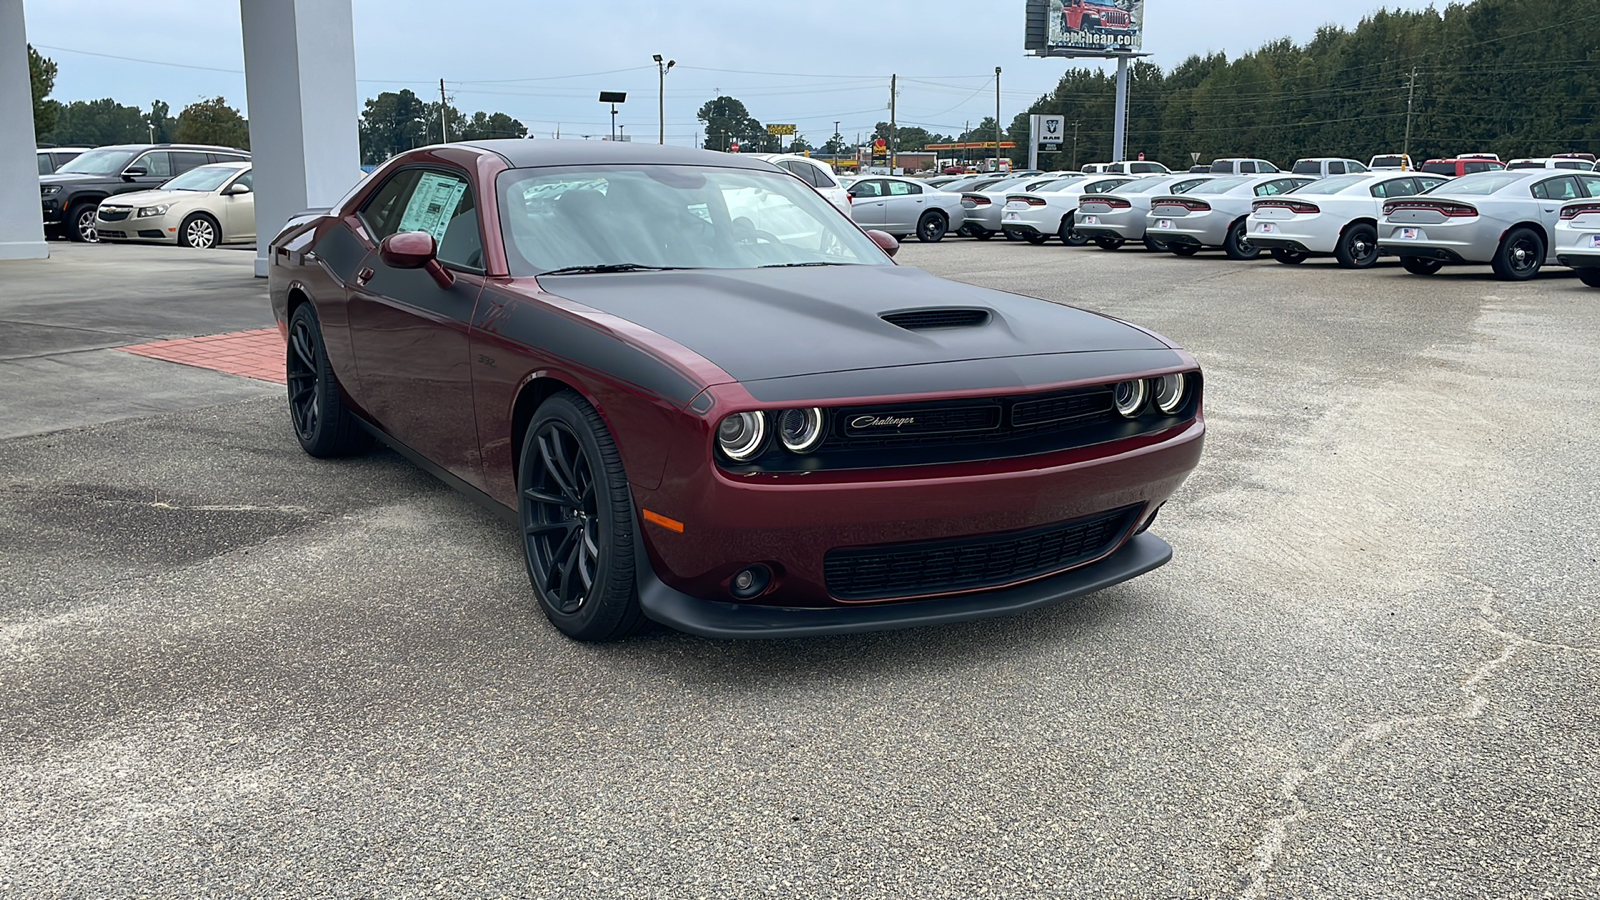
(1357, 248)
(80, 226)
(931, 227)
(1237, 245)
(322, 423)
(1289, 257)
(199, 231)
(1070, 235)
(1520, 256)
(1418, 265)
(1591, 277)
(577, 522)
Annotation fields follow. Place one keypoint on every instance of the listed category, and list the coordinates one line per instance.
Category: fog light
(750, 582)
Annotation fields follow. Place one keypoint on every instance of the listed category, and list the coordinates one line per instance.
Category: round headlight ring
(741, 435)
(1171, 391)
(800, 430)
(1131, 396)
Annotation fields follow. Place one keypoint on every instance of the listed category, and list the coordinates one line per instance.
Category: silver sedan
(1110, 219)
(904, 206)
(1337, 215)
(985, 206)
(1502, 218)
(1577, 239)
(1213, 214)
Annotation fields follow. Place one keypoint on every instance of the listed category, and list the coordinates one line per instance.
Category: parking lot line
(254, 354)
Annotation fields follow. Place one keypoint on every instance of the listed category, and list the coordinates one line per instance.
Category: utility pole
(997, 118)
(1074, 146)
(444, 131)
(1411, 94)
(892, 132)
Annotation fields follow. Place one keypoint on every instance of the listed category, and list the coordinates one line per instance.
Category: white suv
(814, 172)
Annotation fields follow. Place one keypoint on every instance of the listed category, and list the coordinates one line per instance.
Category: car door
(146, 172)
(239, 209)
(903, 206)
(408, 333)
(868, 207)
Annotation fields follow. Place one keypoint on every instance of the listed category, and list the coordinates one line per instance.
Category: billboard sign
(780, 130)
(1084, 27)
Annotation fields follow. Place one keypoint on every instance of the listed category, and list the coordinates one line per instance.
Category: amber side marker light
(663, 521)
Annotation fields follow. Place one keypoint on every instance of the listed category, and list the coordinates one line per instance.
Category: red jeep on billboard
(1079, 15)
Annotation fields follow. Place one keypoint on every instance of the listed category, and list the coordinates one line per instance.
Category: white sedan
(1049, 209)
(1112, 219)
(1577, 239)
(984, 205)
(1337, 215)
(904, 206)
(1213, 214)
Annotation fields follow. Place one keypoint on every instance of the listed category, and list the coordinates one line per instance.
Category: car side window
(1591, 183)
(184, 160)
(1428, 184)
(1336, 168)
(1270, 188)
(381, 213)
(1563, 188)
(1247, 168)
(902, 189)
(819, 177)
(1266, 167)
(868, 189)
(156, 162)
(1386, 189)
(248, 179)
(44, 164)
(1355, 167)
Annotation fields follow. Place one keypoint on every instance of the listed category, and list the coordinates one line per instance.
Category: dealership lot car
(902, 205)
(1049, 209)
(1113, 218)
(1501, 218)
(201, 208)
(984, 205)
(1577, 239)
(69, 197)
(814, 172)
(694, 420)
(1337, 215)
(1213, 214)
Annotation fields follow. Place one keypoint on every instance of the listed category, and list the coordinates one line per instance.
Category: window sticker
(432, 204)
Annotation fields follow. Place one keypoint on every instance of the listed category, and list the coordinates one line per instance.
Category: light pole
(662, 68)
(613, 98)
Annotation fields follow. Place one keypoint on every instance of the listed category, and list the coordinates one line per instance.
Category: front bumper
(150, 228)
(713, 619)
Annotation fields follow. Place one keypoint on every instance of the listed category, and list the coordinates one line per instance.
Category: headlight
(800, 430)
(49, 190)
(1170, 392)
(1131, 396)
(146, 212)
(742, 434)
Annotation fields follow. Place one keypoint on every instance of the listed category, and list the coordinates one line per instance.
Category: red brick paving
(253, 354)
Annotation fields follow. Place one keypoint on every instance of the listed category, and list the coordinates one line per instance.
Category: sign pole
(1119, 141)
(1033, 142)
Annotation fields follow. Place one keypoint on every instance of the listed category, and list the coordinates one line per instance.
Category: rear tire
(1357, 247)
(931, 227)
(1237, 245)
(1153, 245)
(982, 234)
(1591, 277)
(1289, 257)
(1035, 238)
(1417, 265)
(1106, 243)
(1184, 249)
(1520, 256)
(1070, 235)
(322, 424)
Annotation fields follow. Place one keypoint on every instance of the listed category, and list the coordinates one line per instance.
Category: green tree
(42, 80)
(212, 122)
(726, 119)
(393, 123)
(488, 126)
(95, 123)
(161, 123)
(911, 139)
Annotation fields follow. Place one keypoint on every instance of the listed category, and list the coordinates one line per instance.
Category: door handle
(364, 276)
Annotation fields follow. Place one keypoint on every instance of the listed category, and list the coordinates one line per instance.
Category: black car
(71, 196)
(53, 158)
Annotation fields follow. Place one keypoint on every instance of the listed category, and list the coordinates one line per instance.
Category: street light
(662, 69)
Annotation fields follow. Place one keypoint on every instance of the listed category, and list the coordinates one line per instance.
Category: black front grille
(867, 426)
(1060, 408)
(915, 319)
(110, 234)
(987, 420)
(960, 564)
(114, 214)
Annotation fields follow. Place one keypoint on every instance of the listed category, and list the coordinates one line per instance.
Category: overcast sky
(545, 62)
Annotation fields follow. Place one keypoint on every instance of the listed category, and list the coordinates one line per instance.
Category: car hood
(65, 178)
(774, 323)
(156, 198)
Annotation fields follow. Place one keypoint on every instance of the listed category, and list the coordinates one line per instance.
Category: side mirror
(885, 241)
(237, 188)
(135, 172)
(414, 250)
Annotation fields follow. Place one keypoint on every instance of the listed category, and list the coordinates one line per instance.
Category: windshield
(1058, 185)
(1143, 185)
(1010, 183)
(204, 178)
(1392, 162)
(671, 217)
(100, 162)
(1220, 185)
(1331, 185)
(1478, 183)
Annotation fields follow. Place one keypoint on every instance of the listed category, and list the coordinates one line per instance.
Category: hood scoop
(937, 317)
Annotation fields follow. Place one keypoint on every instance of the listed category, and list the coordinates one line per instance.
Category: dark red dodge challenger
(709, 399)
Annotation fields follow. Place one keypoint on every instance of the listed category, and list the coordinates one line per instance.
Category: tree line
(1513, 77)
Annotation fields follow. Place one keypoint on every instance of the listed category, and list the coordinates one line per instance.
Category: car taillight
(1453, 210)
(1114, 202)
(1579, 209)
(1194, 205)
(1024, 198)
(1294, 206)
(975, 199)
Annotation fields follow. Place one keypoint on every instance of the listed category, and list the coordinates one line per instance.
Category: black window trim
(361, 211)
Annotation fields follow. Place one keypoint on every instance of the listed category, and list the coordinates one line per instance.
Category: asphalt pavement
(227, 669)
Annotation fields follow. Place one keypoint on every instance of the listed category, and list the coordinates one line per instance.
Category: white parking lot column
(21, 219)
(300, 79)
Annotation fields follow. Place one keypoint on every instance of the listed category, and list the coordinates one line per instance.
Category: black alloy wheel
(1153, 245)
(1237, 244)
(1108, 243)
(1289, 257)
(1357, 247)
(577, 522)
(81, 226)
(322, 424)
(1520, 256)
(199, 231)
(1184, 249)
(1034, 237)
(1418, 265)
(1591, 277)
(931, 227)
(1069, 235)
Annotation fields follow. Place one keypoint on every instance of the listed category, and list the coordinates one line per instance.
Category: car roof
(207, 147)
(522, 153)
(228, 164)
